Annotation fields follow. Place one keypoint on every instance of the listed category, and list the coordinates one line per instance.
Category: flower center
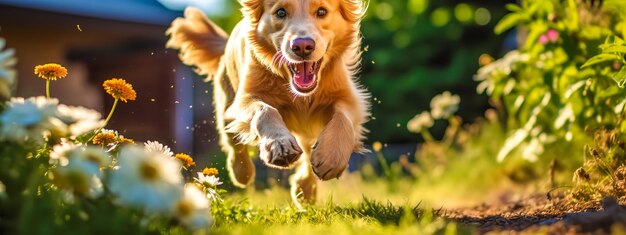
(184, 209)
(92, 157)
(50, 74)
(148, 171)
(78, 182)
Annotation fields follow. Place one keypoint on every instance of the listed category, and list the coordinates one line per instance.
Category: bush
(566, 77)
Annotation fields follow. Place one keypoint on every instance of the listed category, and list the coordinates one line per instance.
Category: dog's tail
(200, 42)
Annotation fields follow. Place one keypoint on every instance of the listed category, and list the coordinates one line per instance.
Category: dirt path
(541, 213)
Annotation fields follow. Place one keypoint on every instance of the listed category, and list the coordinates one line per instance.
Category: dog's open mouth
(304, 75)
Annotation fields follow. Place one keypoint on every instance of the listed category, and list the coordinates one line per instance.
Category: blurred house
(99, 40)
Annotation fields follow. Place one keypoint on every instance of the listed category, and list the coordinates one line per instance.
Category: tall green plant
(567, 74)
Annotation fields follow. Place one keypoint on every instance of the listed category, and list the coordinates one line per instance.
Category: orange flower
(104, 138)
(485, 59)
(185, 159)
(120, 89)
(124, 140)
(50, 71)
(209, 171)
(377, 146)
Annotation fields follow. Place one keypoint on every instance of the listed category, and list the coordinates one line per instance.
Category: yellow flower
(185, 159)
(485, 59)
(50, 71)
(124, 140)
(104, 138)
(120, 89)
(377, 146)
(209, 171)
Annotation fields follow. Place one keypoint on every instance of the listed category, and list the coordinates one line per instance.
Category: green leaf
(585, 73)
(513, 7)
(508, 22)
(592, 32)
(601, 58)
(614, 49)
(607, 93)
(620, 77)
(572, 15)
(536, 29)
(614, 39)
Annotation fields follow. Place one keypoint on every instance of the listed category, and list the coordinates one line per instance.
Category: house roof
(139, 11)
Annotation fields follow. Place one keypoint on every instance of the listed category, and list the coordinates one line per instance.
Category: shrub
(566, 76)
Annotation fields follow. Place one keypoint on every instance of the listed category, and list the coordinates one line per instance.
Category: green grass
(369, 216)
(350, 205)
(442, 177)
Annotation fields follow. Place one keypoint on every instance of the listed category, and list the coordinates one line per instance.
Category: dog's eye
(281, 13)
(321, 12)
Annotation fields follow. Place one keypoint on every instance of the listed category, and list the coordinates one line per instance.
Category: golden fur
(256, 95)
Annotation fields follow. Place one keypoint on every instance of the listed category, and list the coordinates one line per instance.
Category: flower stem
(48, 88)
(383, 164)
(452, 130)
(106, 121)
(427, 136)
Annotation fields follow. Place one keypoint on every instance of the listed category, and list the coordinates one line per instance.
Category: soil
(546, 214)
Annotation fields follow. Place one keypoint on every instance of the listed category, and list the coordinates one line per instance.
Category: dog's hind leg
(303, 183)
(239, 163)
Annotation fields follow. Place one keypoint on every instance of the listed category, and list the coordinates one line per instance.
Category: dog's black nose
(302, 46)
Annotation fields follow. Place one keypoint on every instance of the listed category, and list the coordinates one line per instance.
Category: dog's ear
(252, 9)
(353, 10)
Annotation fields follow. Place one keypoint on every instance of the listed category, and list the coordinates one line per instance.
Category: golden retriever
(285, 80)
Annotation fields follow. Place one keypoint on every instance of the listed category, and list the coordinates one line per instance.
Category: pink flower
(543, 39)
(553, 35)
(550, 36)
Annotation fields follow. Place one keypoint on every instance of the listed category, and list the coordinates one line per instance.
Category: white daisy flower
(154, 147)
(30, 120)
(61, 152)
(209, 182)
(80, 120)
(444, 105)
(7, 72)
(95, 155)
(80, 172)
(500, 68)
(146, 180)
(194, 209)
(420, 122)
(212, 194)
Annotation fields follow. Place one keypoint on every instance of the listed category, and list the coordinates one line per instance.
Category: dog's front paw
(329, 161)
(280, 151)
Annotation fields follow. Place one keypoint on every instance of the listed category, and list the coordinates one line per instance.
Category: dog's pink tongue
(304, 76)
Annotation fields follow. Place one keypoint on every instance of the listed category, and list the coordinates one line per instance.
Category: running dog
(285, 80)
